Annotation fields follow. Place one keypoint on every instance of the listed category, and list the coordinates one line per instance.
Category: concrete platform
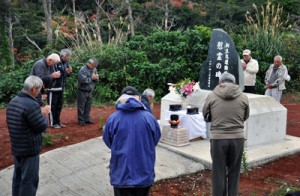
(82, 169)
(199, 151)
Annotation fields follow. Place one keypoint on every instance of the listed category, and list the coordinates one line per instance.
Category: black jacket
(146, 103)
(25, 123)
(61, 81)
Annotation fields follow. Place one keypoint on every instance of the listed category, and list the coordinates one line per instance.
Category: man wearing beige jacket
(228, 107)
(250, 67)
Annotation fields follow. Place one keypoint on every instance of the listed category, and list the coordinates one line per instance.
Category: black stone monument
(222, 57)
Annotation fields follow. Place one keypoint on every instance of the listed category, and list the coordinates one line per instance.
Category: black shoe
(89, 122)
(81, 124)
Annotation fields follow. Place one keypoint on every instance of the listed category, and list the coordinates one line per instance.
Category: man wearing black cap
(228, 108)
(132, 134)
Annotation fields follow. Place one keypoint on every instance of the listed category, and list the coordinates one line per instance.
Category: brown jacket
(229, 108)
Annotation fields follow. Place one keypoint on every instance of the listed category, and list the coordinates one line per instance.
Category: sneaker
(81, 124)
(62, 125)
(56, 126)
(89, 122)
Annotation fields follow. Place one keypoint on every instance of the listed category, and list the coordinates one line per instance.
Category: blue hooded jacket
(131, 133)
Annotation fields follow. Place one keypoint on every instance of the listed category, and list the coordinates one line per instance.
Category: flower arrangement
(186, 87)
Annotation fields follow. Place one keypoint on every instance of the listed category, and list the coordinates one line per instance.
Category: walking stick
(50, 90)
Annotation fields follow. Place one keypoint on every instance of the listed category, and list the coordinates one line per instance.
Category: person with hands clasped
(26, 121)
(250, 67)
(275, 79)
(86, 80)
(63, 70)
(43, 68)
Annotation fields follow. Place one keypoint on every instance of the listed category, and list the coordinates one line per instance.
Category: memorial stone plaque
(222, 57)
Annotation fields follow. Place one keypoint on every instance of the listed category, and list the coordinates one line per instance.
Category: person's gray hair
(227, 77)
(149, 92)
(65, 52)
(278, 57)
(54, 57)
(32, 82)
(93, 61)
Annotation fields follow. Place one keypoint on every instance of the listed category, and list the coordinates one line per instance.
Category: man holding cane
(43, 68)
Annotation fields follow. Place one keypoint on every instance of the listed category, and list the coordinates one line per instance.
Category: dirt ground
(283, 174)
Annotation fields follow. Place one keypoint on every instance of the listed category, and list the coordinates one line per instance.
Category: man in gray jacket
(228, 108)
(87, 80)
(275, 79)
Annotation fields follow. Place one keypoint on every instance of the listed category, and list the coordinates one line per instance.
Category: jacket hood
(129, 103)
(227, 91)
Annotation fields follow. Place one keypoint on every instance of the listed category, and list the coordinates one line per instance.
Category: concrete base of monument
(266, 123)
(265, 130)
(199, 151)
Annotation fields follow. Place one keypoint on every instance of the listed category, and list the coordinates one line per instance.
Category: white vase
(183, 103)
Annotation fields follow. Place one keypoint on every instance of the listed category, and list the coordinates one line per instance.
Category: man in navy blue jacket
(26, 121)
(132, 134)
(147, 98)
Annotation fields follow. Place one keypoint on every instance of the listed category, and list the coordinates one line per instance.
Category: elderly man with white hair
(87, 80)
(275, 79)
(59, 84)
(43, 68)
(26, 121)
(147, 98)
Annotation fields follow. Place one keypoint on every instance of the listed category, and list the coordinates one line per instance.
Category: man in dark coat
(43, 68)
(26, 121)
(147, 98)
(57, 96)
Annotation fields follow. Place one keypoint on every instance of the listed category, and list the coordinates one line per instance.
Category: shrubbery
(152, 61)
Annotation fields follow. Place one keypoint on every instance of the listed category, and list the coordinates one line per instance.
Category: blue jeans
(26, 176)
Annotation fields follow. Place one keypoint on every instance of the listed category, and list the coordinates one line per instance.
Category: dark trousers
(143, 191)
(56, 106)
(250, 89)
(84, 104)
(26, 176)
(226, 164)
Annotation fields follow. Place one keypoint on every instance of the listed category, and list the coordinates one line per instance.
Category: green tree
(5, 58)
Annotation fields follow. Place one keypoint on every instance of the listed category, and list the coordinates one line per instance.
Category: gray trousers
(26, 176)
(275, 93)
(226, 164)
(84, 105)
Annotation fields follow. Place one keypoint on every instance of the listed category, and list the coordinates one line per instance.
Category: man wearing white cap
(250, 67)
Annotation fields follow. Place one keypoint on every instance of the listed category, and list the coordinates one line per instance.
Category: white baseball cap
(246, 52)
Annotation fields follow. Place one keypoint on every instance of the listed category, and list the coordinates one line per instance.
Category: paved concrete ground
(82, 169)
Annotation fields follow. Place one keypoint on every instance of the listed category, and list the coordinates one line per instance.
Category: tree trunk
(75, 20)
(10, 29)
(130, 17)
(48, 20)
(97, 22)
(166, 16)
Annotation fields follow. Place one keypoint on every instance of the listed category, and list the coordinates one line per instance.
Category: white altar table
(193, 122)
